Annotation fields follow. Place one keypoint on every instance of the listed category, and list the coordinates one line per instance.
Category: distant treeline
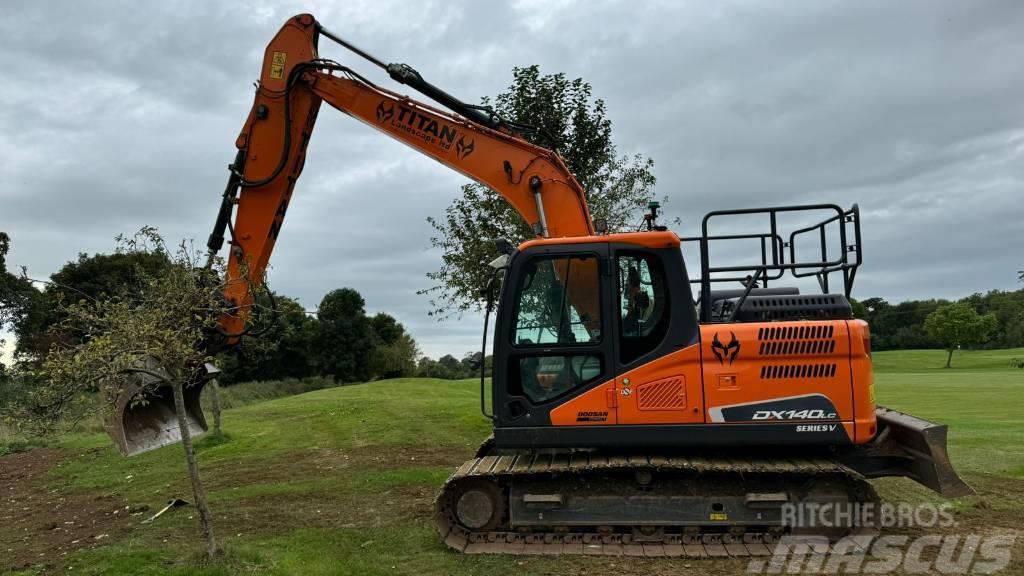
(338, 340)
(901, 326)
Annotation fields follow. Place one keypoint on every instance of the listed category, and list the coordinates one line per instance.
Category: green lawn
(935, 360)
(341, 480)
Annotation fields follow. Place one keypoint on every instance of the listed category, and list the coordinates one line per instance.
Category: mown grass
(341, 480)
(935, 360)
(245, 393)
(14, 441)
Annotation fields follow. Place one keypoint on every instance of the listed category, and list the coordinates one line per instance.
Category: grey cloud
(119, 114)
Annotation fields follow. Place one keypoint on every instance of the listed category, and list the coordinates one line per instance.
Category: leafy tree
(91, 277)
(1008, 308)
(287, 350)
(343, 341)
(450, 368)
(424, 367)
(451, 364)
(394, 350)
(617, 187)
(901, 326)
(446, 368)
(859, 309)
(958, 325)
(154, 334)
(16, 292)
(470, 363)
(6, 393)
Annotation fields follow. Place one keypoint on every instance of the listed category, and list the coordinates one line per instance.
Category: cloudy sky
(121, 114)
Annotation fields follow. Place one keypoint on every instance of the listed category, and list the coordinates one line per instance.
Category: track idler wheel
(479, 506)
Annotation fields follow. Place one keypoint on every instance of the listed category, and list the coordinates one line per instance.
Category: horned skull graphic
(463, 148)
(385, 113)
(723, 351)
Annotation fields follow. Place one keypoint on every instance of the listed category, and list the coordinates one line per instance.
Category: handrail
(774, 264)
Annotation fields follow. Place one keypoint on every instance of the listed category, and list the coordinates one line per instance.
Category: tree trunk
(949, 359)
(215, 400)
(198, 492)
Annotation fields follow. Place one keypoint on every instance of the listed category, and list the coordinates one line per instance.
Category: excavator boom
(271, 153)
(272, 146)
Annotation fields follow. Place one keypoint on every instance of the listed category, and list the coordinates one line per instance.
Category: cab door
(555, 345)
(657, 354)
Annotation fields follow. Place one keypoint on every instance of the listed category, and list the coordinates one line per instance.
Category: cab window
(559, 301)
(545, 378)
(643, 305)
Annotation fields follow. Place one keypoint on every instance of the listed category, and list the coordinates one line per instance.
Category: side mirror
(499, 263)
(504, 246)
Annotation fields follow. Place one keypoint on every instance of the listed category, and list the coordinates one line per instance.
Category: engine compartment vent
(795, 307)
(781, 371)
(667, 394)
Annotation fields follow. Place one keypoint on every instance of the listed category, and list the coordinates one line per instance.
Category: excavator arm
(294, 81)
(272, 147)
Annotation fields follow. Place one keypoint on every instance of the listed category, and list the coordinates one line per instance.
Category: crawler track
(639, 504)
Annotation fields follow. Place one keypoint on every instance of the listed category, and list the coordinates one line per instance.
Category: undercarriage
(720, 503)
(653, 505)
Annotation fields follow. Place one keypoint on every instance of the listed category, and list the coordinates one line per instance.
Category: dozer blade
(143, 416)
(912, 447)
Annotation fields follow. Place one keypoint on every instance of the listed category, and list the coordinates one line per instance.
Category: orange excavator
(626, 412)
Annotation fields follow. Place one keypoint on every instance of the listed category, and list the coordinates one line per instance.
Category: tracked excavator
(626, 412)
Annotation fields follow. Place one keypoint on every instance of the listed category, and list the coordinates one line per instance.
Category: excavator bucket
(911, 447)
(143, 416)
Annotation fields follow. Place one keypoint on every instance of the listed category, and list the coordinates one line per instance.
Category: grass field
(341, 481)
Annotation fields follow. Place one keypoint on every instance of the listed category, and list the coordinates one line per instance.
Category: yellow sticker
(719, 516)
(871, 392)
(277, 65)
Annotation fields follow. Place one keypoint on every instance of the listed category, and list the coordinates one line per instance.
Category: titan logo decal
(591, 416)
(722, 351)
(462, 148)
(383, 113)
(423, 127)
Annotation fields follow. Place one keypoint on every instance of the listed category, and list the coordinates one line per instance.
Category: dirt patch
(253, 516)
(40, 524)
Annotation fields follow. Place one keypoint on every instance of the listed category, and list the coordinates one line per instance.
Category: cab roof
(647, 239)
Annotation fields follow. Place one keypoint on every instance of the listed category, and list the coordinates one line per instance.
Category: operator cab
(581, 319)
(575, 314)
